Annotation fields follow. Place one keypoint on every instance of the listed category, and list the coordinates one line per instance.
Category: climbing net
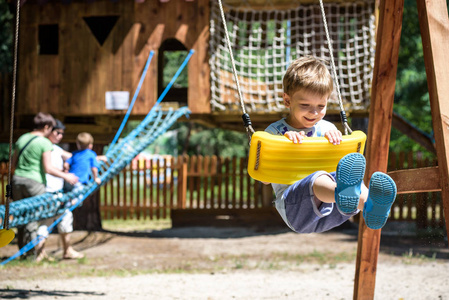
(266, 41)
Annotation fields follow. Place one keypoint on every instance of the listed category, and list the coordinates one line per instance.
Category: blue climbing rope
(133, 101)
(48, 205)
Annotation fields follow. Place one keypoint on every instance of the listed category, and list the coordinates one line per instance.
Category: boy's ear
(286, 100)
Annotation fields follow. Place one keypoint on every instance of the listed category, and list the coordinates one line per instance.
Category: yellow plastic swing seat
(276, 159)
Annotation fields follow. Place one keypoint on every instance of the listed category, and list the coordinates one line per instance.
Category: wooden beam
(434, 24)
(381, 114)
(417, 180)
(412, 132)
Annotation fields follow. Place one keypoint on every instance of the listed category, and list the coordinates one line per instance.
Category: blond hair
(84, 139)
(308, 73)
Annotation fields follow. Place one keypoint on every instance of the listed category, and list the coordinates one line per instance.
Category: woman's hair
(42, 119)
(308, 73)
(84, 139)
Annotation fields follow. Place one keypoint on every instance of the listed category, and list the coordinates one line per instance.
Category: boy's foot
(382, 192)
(349, 178)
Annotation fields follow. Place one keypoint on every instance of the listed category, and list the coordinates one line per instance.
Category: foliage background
(411, 97)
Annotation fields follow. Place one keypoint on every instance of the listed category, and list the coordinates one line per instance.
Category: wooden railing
(150, 188)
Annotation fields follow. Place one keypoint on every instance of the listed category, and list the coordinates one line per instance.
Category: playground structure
(434, 30)
(72, 53)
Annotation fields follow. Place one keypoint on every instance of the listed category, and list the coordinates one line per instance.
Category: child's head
(42, 119)
(84, 140)
(310, 74)
(307, 86)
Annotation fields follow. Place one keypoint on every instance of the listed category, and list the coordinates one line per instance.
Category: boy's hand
(71, 178)
(295, 136)
(334, 136)
(98, 180)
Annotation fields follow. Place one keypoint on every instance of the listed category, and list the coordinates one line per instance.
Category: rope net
(49, 205)
(265, 42)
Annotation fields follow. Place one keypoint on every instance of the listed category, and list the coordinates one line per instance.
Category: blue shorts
(298, 208)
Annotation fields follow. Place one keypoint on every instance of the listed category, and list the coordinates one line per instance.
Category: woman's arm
(50, 169)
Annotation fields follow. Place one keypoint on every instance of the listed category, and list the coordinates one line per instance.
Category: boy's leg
(324, 190)
(382, 193)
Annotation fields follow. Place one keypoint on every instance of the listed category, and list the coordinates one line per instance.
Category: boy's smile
(306, 108)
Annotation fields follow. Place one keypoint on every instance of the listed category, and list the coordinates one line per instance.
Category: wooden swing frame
(434, 24)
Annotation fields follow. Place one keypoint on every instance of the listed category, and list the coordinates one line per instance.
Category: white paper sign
(117, 100)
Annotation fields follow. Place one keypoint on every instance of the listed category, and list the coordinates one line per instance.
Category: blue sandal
(382, 192)
(349, 178)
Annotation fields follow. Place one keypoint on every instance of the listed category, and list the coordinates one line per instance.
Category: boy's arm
(102, 158)
(95, 174)
(66, 155)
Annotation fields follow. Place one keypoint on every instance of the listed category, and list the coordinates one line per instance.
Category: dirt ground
(227, 263)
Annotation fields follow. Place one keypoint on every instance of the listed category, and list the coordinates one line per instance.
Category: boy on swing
(322, 200)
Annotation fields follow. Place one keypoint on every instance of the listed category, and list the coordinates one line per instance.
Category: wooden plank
(206, 176)
(182, 183)
(381, 111)
(220, 180)
(434, 24)
(251, 200)
(413, 132)
(158, 190)
(151, 192)
(264, 217)
(198, 179)
(172, 182)
(234, 181)
(138, 187)
(125, 193)
(213, 178)
(145, 190)
(242, 202)
(226, 182)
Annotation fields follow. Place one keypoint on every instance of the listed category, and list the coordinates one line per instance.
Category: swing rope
(11, 123)
(246, 119)
(344, 119)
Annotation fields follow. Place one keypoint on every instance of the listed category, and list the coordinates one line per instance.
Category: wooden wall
(74, 82)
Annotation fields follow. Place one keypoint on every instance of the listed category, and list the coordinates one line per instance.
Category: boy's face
(306, 108)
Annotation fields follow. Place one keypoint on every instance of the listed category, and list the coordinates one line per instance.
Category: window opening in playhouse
(48, 36)
(101, 26)
(171, 54)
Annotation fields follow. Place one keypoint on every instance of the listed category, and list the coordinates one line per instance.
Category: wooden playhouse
(73, 55)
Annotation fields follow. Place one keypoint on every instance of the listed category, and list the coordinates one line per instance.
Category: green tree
(411, 93)
(201, 141)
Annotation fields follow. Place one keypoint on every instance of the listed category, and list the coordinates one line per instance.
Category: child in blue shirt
(322, 200)
(83, 161)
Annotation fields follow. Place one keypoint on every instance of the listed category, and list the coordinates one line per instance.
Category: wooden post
(381, 114)
(267, 195)
(434, 24)
(182, 182)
